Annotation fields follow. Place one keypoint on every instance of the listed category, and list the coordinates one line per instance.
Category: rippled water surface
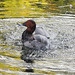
(35, 8)
(59, 60)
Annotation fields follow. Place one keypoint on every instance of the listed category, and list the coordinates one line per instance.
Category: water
(35, 8)
(59, 60)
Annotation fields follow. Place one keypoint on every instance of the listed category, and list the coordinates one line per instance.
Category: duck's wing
(39, 42)
(42, 35)
(38, 45)
(41, 38)
(28, 44)
(42, 31)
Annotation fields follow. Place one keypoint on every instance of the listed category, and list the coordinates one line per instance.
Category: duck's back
(41, 31)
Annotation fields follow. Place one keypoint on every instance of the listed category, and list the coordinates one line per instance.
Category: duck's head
(30, 24)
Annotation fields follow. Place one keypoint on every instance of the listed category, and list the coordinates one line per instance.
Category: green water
(34, 8)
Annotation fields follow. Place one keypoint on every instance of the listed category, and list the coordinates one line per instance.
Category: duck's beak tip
(20, 24)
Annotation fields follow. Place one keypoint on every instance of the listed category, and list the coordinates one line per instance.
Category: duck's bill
(21, 24)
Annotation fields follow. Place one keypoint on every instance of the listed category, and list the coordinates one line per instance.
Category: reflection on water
(37, 8)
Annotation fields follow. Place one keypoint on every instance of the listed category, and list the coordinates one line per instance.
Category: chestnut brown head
(30, 24)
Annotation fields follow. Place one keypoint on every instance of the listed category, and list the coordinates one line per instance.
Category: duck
(35, 37)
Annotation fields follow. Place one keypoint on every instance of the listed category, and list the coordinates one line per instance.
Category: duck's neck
(28, 32)
(26, 36)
